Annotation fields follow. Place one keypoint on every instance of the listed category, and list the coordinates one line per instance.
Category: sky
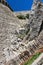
(20, 5)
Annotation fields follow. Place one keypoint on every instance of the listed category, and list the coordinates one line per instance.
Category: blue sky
(20, 5)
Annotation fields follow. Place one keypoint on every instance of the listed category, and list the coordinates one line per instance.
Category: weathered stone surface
(23, 51)
(9, 24)
(35, 20)
(12, 49)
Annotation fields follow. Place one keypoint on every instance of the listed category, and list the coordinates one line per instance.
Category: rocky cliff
(9, 29)
(20, 39)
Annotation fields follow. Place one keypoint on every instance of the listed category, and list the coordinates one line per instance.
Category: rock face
(9, 29)
(4, 2)
(35, 4)
(36, 20)
(13, 49)
(24, 51)
(8, 25)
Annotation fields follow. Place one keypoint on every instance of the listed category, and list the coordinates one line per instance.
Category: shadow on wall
(41, 28)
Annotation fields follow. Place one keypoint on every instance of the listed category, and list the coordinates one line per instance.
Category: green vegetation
(30, 61)
(27, 16)
(21, 17)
